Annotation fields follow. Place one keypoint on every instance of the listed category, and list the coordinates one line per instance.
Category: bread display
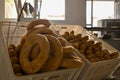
(91, 49)
(40, 50)
(70, 59)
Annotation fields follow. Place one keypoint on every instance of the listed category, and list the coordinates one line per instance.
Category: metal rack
(115, 42)
(102, 29)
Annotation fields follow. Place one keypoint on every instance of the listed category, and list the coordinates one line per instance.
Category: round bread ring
(35, 52)
(37, 30)
(22, 41)
(34, 23)
(71, 63)
(56, 56)
(30, 67)
(41, 30)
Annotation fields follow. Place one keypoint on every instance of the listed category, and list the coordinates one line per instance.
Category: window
(99, 10)
(10, 10)
(50, 9)
(53, 10)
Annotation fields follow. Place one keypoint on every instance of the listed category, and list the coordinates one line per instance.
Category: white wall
(75, 12)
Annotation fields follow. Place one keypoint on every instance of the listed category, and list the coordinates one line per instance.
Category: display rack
(11, 32)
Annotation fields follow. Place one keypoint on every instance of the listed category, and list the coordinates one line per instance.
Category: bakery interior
(60, 40)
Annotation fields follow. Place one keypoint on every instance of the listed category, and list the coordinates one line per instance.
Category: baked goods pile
(41, 50)
(91, 49)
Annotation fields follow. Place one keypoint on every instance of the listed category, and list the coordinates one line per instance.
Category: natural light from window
(53, 10)
(50, 9)
(101, 10)
(10, 10)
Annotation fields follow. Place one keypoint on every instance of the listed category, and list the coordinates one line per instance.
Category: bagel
(41, 30)
(31, 67)
(37, 30)
(35, 52)
(56, 54)
(22, 41)
(71, 63)
(34, 23)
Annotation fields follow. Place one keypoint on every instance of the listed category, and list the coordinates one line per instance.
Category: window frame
(92, 12)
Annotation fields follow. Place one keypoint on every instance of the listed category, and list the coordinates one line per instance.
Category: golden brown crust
(79, 36)
(71, 32)
(22, 41)
(65, 35)
(12, 52)
(17, 68)
(41, 30)
(70, 37)
(34, 23)
(75, 45)
(90, 48)
(63, 41)
(56, 54)
(68, 52)
(35, 52)
(68, 49)
(14, 60)
(30, 67)
(11, 46)
(71, 63)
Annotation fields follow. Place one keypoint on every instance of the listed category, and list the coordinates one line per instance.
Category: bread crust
(56, 54)
(34, 23)
(30, 67)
